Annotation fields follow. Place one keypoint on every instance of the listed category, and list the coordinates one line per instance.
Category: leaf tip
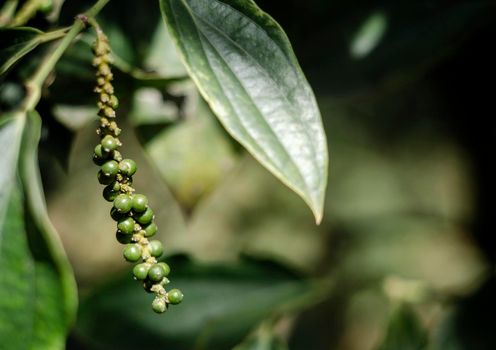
(318, 213)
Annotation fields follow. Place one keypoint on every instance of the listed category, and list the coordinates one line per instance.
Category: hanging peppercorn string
(131, 211)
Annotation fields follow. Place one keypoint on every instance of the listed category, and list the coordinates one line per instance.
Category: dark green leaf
(244, 66)
(37, 289)
(404, 331)
(221, 304)
(17, 42)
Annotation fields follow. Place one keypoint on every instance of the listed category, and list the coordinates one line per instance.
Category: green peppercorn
(127, 167)
(156, 248)
(150, 230)
(100, 152)
(159, 305)
(110, 168)
(116, 215)
(109, 143)
(123, 238)
(156, 273)
(175, 296)
(126, 225)
(166, 268)
(98, 161)
(140, 271)
(123, 203)
(104, 179)
(132, 252)
(145, 217)
(109, 193)
(140, 202)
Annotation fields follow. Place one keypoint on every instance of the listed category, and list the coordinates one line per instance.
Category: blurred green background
(404, 258)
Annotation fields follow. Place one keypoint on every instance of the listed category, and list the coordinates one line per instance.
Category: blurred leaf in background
(224, 303)
(193, 156)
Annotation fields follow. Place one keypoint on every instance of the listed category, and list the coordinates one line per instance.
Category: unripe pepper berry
(145, 217)
(156, 249)
(98, 161)
(127, 167)
(116, 215)
(156, 273)
(123, 203)
(132, 252)
(140, 203)
(150, 230)
(140, 271)
(123, 238)
(104, 179)
(109, 193)
(126, 225)
(110, 168)
(109, 143)
(100, 152)
(166, 268)
(175, 296)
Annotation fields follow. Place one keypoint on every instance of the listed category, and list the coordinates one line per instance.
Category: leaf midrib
(277, 171)
(262, 69)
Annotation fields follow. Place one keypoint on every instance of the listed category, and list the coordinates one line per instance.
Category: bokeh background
(404, 258)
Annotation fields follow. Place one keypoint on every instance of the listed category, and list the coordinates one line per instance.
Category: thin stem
(34, 84)
(53, 35)
(95, 9)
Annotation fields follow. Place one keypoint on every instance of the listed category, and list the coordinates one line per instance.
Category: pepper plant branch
(55, 34)
(35, 83)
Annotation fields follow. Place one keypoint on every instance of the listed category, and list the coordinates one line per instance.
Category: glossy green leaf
(222, 303)
(37, 288)
(244, 66)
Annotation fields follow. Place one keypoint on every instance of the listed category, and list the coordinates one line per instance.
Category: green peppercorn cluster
(131, 211)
